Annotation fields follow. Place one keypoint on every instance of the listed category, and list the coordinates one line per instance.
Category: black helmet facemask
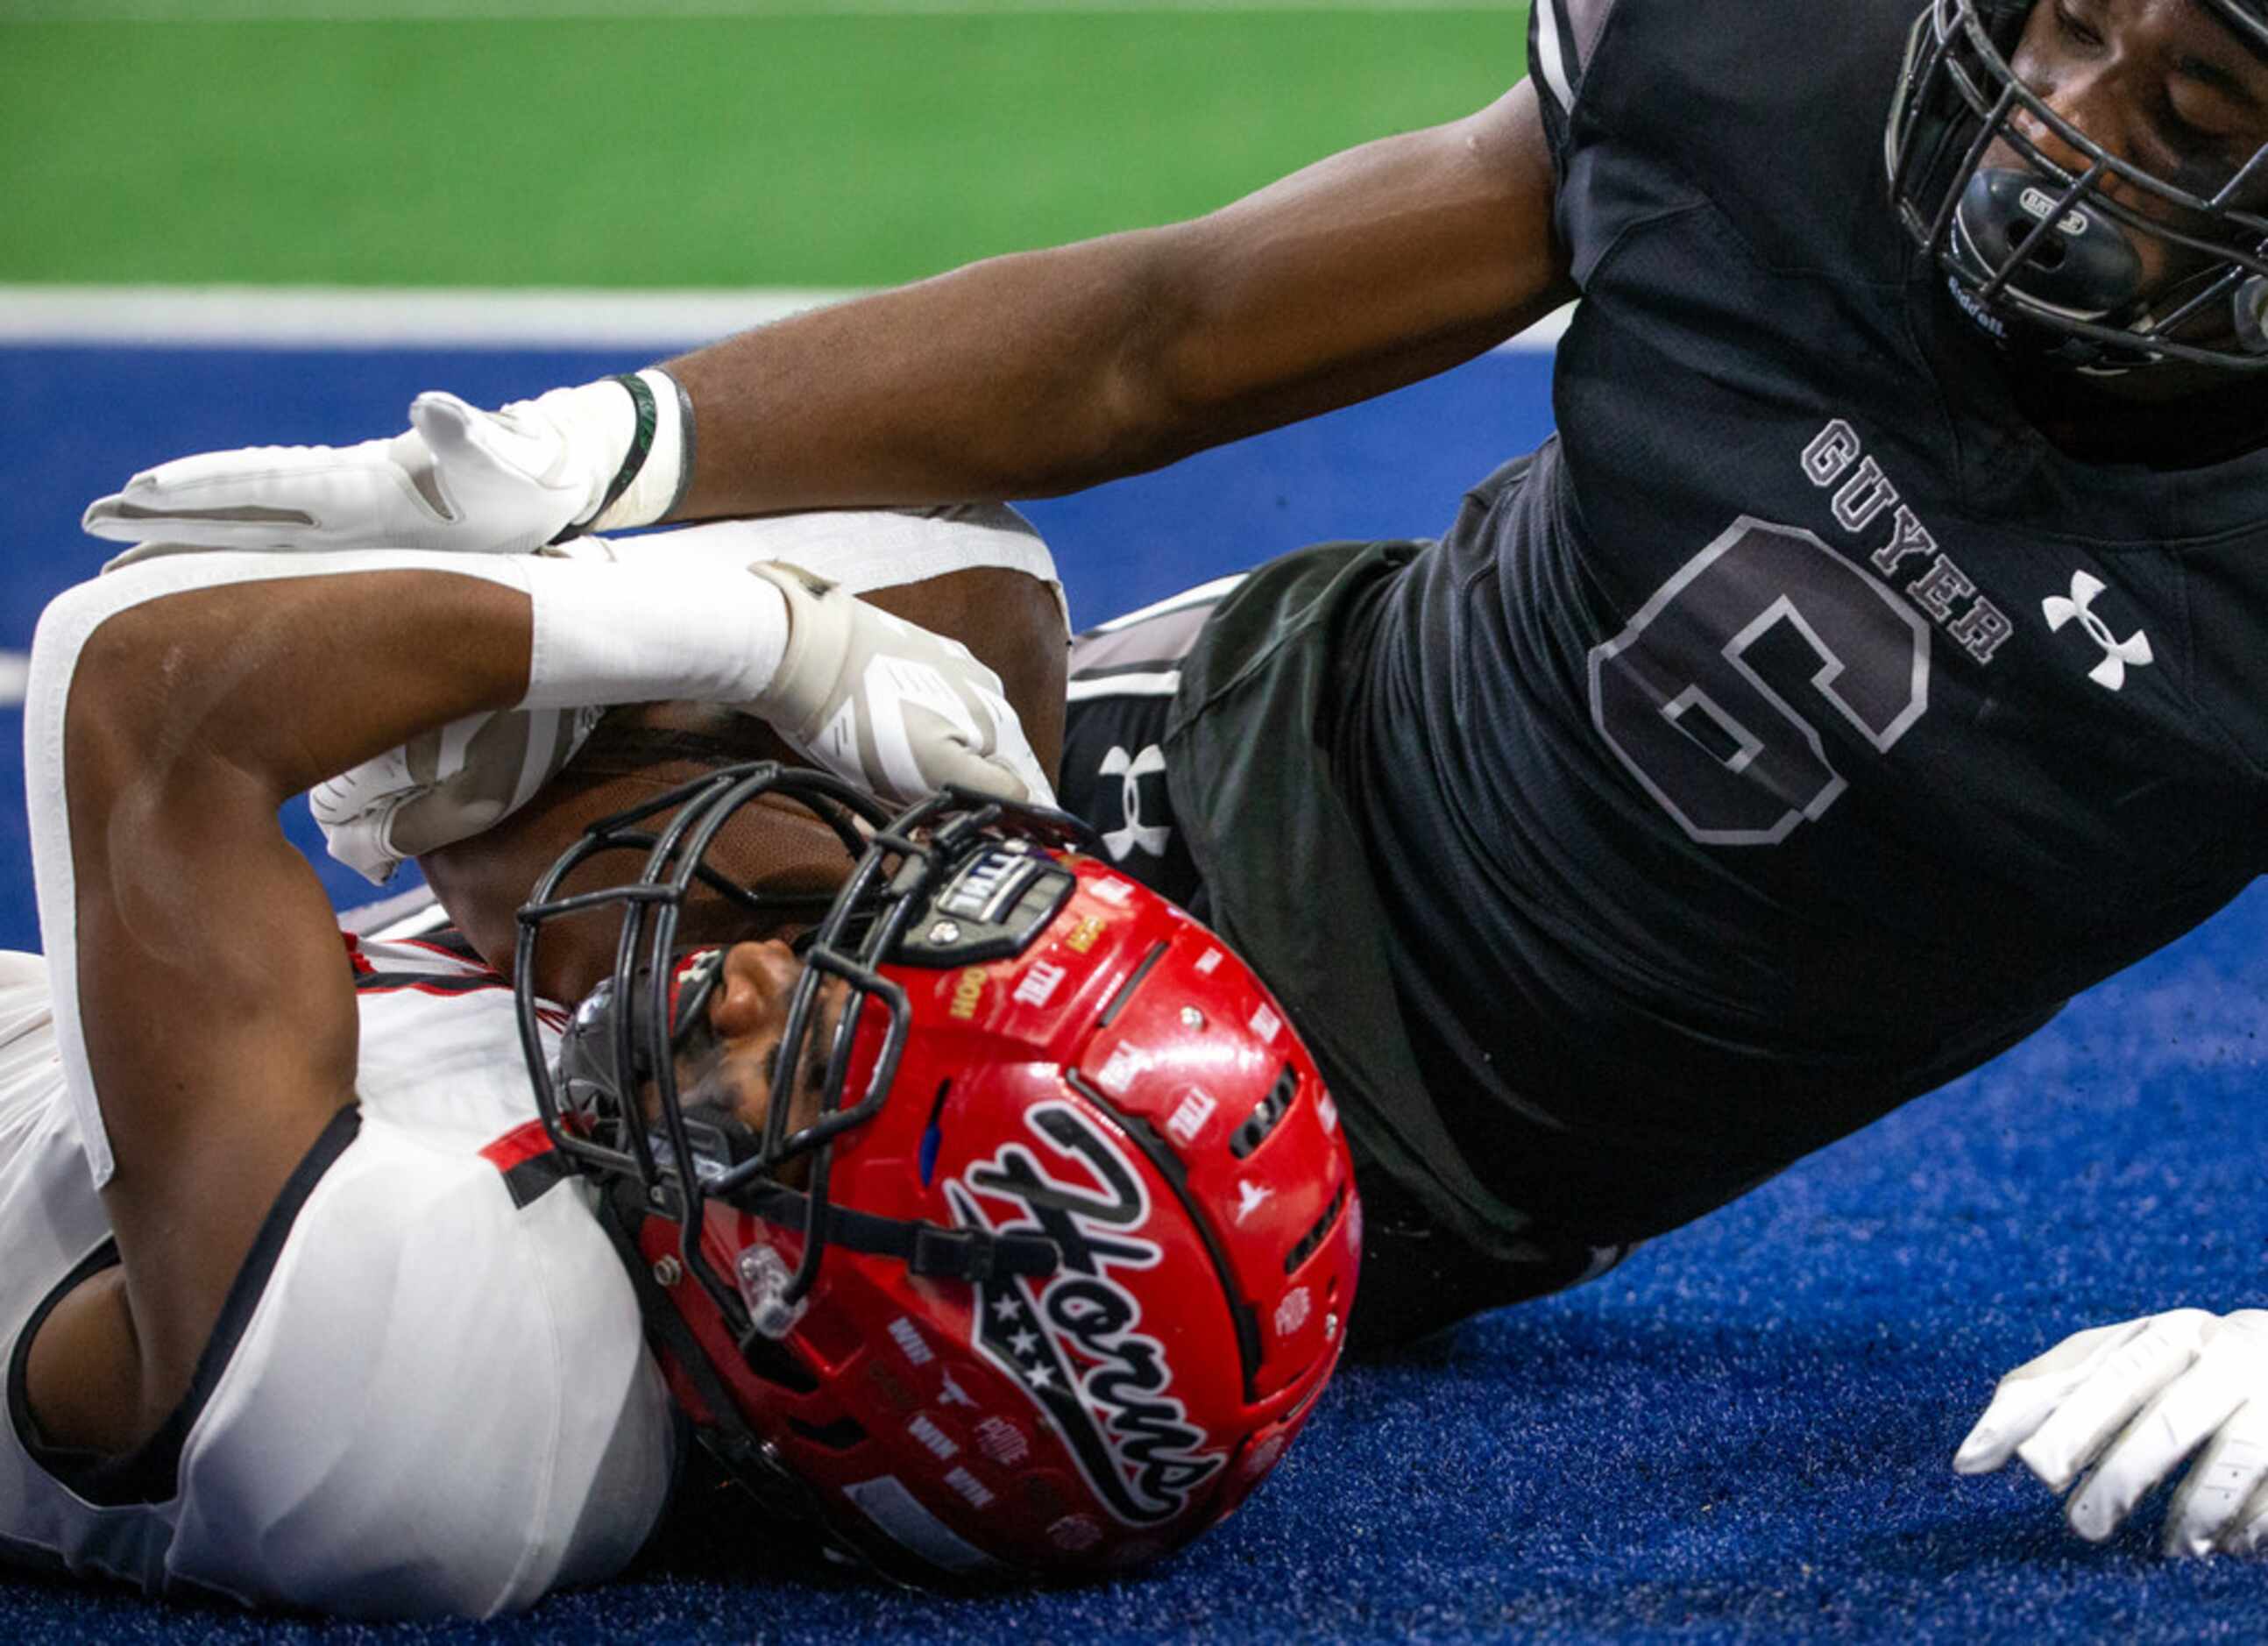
(646, 1027)
(2044, 258)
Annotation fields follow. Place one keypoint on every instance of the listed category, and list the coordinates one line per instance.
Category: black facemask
(2047, 260)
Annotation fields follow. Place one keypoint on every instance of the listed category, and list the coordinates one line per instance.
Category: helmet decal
(1070, 1341)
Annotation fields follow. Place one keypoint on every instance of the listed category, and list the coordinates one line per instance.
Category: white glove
(891, 707)
(444, 786)
(2132, 1400)
(607, 454)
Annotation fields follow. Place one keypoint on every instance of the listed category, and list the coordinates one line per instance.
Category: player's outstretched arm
(2111, 1413)
(1042, 372)
(1023, 376)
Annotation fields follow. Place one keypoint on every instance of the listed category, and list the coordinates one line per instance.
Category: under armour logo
(2116, 654)
(1130, 769)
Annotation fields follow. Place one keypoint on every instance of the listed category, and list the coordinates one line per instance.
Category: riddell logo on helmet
(1973, 306)
(1070, 1341)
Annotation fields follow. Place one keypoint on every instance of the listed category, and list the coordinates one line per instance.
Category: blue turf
(1742, 1432)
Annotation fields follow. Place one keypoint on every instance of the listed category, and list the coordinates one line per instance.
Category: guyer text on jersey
(1865, 504)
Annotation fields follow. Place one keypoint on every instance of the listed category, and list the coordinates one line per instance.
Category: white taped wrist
(605, 633)
(632, 443)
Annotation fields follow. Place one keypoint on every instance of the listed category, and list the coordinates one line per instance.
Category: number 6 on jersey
(1678, 700)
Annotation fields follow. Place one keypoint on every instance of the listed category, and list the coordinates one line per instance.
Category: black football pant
(1417, 1277)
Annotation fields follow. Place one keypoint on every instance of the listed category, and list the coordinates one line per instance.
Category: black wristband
(640, 439)
(685, 458)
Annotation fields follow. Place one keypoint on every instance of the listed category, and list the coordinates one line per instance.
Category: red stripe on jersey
(531, 1167)
(376, 982)
(355, 958)
(454, 948)
(518, 1147)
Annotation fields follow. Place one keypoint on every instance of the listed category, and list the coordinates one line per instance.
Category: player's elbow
(1142, 392)
(1209, 349)
(114, 668)
(81, 683)
(1179, 377)
(130, 697)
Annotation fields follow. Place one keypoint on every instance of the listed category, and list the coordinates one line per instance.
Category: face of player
(731, 1066)
(638, 753)
(2165, 84)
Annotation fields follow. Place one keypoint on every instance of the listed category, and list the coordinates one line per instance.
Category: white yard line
(349, 317)
(550, 11)
(329, 317)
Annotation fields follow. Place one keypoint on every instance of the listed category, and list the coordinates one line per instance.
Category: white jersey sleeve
(428, 1393)
(440, 1403)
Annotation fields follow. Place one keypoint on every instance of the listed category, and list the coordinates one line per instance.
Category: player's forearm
(287, 679)
(1048, 371)
(1024, 377)
(1017, 377)
(292, 668)
(1027, 376)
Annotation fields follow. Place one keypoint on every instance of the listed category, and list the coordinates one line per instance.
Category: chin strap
(928, 1250)
(726, 1436)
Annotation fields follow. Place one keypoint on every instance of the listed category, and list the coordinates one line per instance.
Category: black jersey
(1797, 728)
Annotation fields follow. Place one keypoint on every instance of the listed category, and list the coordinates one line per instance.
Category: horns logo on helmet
(1074, 1347)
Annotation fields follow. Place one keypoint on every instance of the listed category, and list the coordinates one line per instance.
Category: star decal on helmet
(1071, 1340)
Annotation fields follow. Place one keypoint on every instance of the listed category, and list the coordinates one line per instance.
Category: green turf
(800, 151)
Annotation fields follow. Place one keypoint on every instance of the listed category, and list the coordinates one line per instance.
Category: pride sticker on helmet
(1070, 1342)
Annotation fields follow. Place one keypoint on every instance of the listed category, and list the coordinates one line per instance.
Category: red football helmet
(1065, 1259)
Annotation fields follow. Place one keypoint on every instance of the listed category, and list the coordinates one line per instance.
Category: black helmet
(2043, 256)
